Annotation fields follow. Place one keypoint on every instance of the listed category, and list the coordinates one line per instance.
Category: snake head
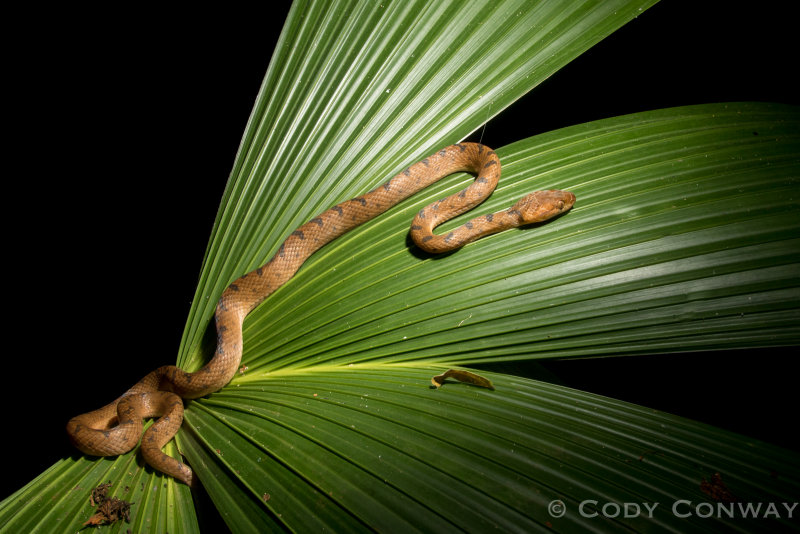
(543, 205)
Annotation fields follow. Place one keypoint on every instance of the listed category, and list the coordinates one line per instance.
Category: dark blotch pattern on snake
(115, 428)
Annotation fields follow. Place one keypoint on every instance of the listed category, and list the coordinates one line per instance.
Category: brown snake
(115, 428)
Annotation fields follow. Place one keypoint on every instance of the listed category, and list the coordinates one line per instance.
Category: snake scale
(116, 428)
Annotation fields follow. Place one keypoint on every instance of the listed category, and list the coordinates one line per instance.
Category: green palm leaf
(663, 242)
(684, 238)
(368, 88)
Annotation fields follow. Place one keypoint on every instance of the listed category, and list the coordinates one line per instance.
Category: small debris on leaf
(716, 489)
(109, 509)
(462, 376)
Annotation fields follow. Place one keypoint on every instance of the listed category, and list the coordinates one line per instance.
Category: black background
(123, 128)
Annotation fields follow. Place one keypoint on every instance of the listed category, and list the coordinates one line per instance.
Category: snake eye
(560, 205)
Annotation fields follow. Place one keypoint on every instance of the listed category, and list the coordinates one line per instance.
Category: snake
(117, 427)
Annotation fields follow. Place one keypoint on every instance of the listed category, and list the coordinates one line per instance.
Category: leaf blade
(58, 499)
(664, 239)
(469, 458)
(444, 78)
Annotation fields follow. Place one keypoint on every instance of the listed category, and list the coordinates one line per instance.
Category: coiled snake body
(115, 428)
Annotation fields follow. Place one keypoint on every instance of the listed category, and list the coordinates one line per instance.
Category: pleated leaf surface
(684, 237)
(358, 90)
(366, 448)
(58, 500)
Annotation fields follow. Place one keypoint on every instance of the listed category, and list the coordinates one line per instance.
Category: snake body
(115, 428)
